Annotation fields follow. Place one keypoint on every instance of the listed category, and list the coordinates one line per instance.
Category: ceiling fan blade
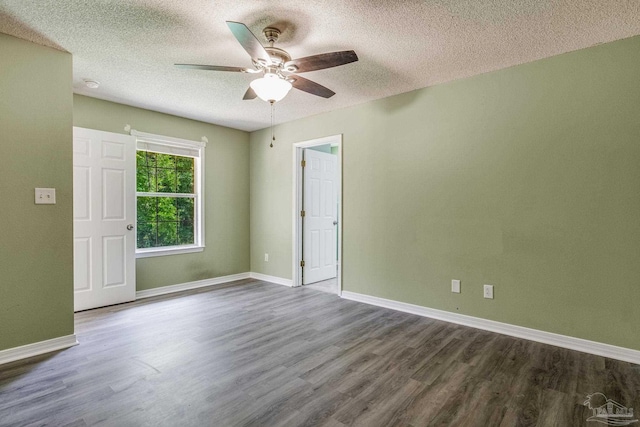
(212, 67)
(249, 94)
(322, 61)
(249, 42)
(313, 88)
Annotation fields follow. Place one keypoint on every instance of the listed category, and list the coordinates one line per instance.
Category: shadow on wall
(202, 270)
(156, 23)
(403, 101)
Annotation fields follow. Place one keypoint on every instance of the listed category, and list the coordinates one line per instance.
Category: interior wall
(525, 178)
(36, 249)
(226, 191)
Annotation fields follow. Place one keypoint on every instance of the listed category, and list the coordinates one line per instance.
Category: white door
(320, 200)
(104, 214)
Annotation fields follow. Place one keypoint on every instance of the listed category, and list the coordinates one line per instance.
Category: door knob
(335, 222)
(130, 227)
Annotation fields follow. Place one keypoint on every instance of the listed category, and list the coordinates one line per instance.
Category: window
(169, 177)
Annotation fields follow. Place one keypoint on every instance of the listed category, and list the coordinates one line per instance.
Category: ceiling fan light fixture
(271, 87)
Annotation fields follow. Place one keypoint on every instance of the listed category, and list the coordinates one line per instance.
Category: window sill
(169, 250)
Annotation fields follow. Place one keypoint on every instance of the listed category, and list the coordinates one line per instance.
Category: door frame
(298, 147)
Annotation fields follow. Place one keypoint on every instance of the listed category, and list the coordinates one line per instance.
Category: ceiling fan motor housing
(278, 56)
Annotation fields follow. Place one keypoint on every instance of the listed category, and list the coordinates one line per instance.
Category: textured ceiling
(129, 46)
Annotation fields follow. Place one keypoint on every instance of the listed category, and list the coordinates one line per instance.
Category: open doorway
(317, 214)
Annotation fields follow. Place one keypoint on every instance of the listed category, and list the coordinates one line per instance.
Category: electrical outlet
(266, 257)
(488, 291)
(455, 286)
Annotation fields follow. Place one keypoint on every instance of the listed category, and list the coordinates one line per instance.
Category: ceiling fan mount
(276, 64)
(271, 34)
(278, 56)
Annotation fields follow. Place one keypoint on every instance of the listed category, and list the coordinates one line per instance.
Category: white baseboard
(272, 279)
(37, 348)
(190, 285)
(572, 343)
(211, 282)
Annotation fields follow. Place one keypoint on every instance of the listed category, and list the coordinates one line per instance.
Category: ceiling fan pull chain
(273, 138)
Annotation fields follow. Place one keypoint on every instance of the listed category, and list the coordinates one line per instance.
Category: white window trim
(141, 139)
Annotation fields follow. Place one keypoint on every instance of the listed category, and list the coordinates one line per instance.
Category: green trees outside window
(165, 200)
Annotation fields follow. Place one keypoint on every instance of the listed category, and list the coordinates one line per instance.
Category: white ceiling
(130, 46)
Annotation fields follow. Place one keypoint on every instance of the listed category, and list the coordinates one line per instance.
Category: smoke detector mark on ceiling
(91, 84)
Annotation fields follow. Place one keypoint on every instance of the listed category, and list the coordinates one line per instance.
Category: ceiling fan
(279, 70)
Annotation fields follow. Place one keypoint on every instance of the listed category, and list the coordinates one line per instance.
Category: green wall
(36, 250)
(226, 191)
(526, 178)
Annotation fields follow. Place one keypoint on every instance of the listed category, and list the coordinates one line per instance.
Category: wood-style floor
(257, 354)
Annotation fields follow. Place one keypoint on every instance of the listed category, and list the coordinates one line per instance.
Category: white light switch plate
(45, 196)
(455, 286)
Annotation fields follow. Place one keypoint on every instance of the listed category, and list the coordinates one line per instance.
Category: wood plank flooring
(258, 354)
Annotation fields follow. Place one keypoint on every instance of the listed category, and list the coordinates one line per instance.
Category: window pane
(145, 171)
(141, 157)
(146, 179)
(185, 226)
(146, 209)
(185, 233)
(145, 159)
(185, 209)
(185, 181)
(146, 234)
(166, 180)
(166, 210)
(184, 163)
(167, 234)
(166, 161)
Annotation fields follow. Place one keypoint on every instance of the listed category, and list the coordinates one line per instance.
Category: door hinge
(302, 263)
(302, 213)
(303, 163)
